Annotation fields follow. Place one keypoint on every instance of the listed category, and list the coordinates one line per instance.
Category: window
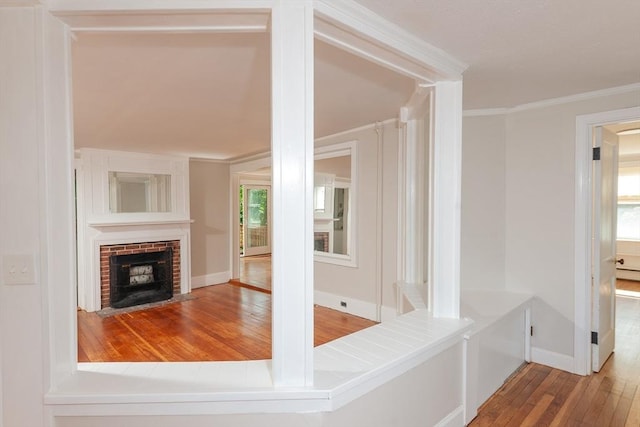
(629, 202)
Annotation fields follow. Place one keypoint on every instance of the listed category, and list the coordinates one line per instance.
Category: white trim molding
(550, 358)
(582, 232)
(552, 101)
(292, 192)
(454, 419)
(352, 27)
(70, 390)
(360, 308)
(210, 279)
(447, 172)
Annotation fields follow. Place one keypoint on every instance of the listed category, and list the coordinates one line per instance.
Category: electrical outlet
(18, 269)
(343, 304)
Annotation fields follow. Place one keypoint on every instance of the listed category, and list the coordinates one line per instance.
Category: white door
(605, 179)
(256, 221)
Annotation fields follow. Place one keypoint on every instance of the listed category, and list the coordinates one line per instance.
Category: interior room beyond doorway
(255, 271)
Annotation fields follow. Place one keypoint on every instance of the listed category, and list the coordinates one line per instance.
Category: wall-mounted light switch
(18, 269)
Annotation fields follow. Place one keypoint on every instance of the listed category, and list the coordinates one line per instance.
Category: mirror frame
(348, 148)
(116, 191)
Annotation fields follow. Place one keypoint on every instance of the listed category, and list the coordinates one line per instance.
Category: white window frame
(628, 200)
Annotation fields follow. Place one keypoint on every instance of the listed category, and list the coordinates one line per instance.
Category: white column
(447, 173)
(292, 183)
(413, 199)
(415, 180)
(57, 195)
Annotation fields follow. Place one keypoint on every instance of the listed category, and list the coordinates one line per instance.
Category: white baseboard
(454, 419)
(210, 279)
(552, 359)
(353, 306)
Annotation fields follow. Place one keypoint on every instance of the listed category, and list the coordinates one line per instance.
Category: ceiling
(522, 51)
(208, 95)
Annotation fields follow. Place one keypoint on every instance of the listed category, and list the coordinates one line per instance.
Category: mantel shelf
(101, 224)
(326, 219)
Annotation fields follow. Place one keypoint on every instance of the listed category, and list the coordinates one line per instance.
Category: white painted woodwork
(447, 172)
(356, 29)
(350, 259)
(43, 344)
(415, 167)
(57, 193)
(605, 178)
(344, 370)
(292, 186)
(97, 226)
(583, 214)
(250, 248)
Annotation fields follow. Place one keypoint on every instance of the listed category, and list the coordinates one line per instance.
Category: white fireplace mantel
(97, 226)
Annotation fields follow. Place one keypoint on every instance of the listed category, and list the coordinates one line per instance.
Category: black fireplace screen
(140, 278)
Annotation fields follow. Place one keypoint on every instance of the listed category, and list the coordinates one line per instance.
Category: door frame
(246, 184)
(583, 212)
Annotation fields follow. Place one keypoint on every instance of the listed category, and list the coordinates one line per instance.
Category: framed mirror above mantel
(126, 187)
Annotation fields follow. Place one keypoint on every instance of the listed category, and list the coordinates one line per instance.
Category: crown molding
(20, 3)
(578, 97)
(133, 6)
(553, 101)
(362, 22)
(485, 112)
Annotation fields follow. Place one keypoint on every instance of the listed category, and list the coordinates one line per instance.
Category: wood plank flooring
(222, 322)
(628, 285)
(542, 396)
(256, 271)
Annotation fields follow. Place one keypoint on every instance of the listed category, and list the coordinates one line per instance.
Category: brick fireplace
(321, 241)
(107, 251)
(114, 217)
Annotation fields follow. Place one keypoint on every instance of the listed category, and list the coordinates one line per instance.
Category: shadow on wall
(553, 335)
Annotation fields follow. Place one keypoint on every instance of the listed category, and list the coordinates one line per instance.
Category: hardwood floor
(542, 396)
(628, 285)
(222, 322)
(256, 271)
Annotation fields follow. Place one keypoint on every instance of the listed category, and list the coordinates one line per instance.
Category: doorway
(584, 220)
(255, 220)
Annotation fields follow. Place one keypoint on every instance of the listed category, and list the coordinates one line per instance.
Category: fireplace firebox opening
(140, 278)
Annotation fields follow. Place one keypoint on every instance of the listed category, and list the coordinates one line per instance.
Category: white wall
(539, 226)
(210, 231)
(21, 322)
(483, 203)
(359, 283)
(518, 193)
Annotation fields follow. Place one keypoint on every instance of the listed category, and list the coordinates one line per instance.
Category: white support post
(447, 165)
(292, 181)
(412, 238)
(414, 164)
